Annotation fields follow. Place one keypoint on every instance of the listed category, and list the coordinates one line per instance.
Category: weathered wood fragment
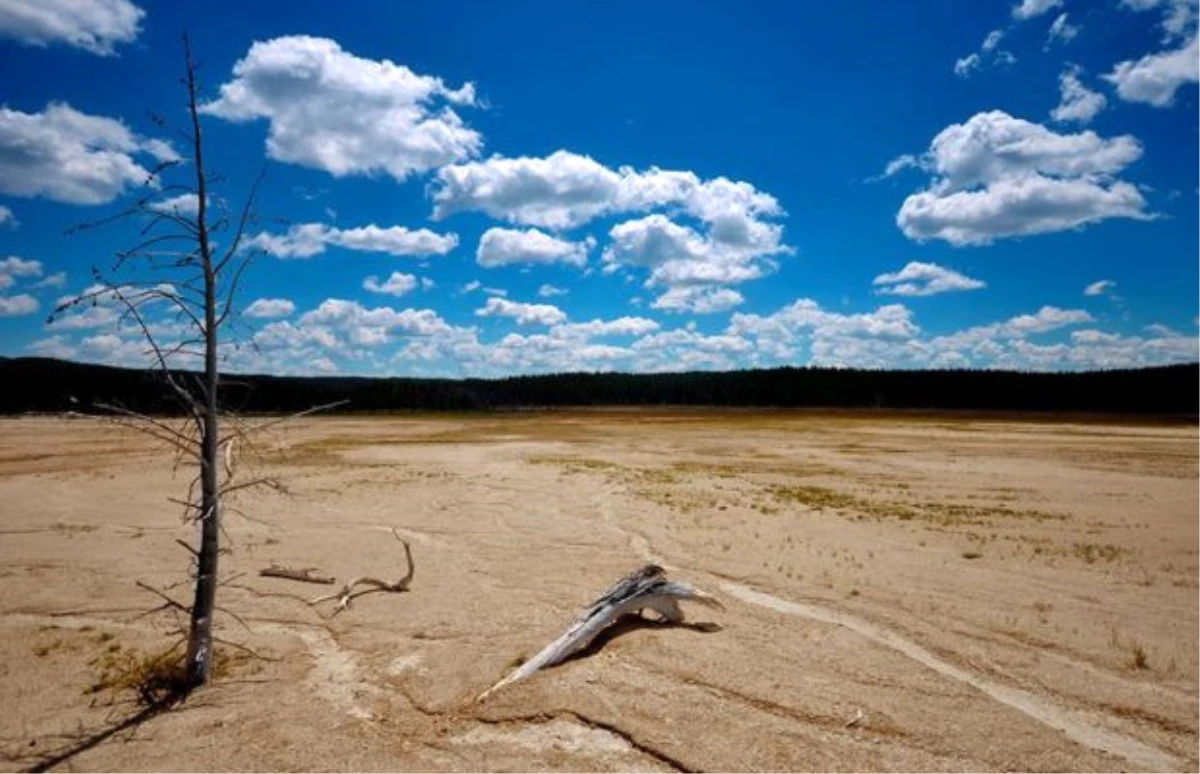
(647, 588)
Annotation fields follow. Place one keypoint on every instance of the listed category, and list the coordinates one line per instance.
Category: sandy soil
(980, 595)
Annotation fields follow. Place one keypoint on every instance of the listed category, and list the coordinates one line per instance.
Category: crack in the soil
(1076, 728)
(645, 748)
(782, 711)
(1038, 708)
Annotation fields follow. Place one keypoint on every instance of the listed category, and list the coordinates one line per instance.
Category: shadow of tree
(86, 740)
(161, 686)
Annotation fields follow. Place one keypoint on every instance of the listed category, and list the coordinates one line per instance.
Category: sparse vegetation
(1135, 657)
(1096, 552)
(613, 491)
(152, 678)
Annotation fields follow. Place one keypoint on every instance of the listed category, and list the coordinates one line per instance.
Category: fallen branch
(304, 576)
(647, 588)
(348, 594)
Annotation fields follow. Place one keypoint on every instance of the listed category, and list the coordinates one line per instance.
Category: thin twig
(303, 576)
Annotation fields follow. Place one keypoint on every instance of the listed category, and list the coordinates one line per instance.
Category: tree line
(48, 385)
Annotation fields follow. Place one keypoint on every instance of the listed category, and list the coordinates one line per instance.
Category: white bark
(646, 588)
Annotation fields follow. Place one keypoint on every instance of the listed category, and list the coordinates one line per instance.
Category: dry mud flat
(902, 593)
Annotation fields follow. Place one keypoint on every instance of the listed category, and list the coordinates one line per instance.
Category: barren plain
(901, 592)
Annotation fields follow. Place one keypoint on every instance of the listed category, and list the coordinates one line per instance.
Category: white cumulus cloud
(505, 247)
(966, 65)
(1155, 78)
(69, 156)
(14, 306)
(885, 336)
(924, 279)
(549, 291)
(304, 240)
(187, 204)
(96, 26)
(1099, 288)
(997, 176)
(13, 268)
(1077, 102)
(680, 255)
(621, 326)
(1179, 17)
(901, 163)
(344, 114)
(56, 280)
(733, 243)
(396, 285)
(524, 314)
(345, 327)
(1061, 31)
(989, 53)
(265, 308)
(698, 299)
(1028, 9)
(565, 190)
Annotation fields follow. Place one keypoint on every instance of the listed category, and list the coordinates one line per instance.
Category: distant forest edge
(47, 385)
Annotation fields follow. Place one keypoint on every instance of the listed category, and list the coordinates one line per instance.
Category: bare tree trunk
(199, 656)
(201, 289)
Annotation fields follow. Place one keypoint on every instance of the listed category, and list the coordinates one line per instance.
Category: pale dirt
(979, 591)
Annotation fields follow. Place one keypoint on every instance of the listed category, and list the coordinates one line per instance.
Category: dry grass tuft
(153, 678)
(1136, 657)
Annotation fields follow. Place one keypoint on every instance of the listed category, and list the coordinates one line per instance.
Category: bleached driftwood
(348, 594)
(647, 588)
(304, 576)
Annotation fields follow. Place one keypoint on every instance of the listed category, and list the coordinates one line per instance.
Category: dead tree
(182, 297)
(647, 588)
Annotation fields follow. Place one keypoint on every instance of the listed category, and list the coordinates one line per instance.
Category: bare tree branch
(267, 482)
(158, 428)
(243, 220)
(348, 594)
(169, 602)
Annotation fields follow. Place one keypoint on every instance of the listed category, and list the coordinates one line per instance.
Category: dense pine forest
(46, 385)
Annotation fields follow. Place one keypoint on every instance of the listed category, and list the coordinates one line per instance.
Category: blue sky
(501, 188)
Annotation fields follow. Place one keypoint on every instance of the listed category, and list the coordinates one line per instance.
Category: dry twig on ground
(304, 576)
(348, 594)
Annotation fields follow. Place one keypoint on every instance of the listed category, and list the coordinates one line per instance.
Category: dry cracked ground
(902, 592)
